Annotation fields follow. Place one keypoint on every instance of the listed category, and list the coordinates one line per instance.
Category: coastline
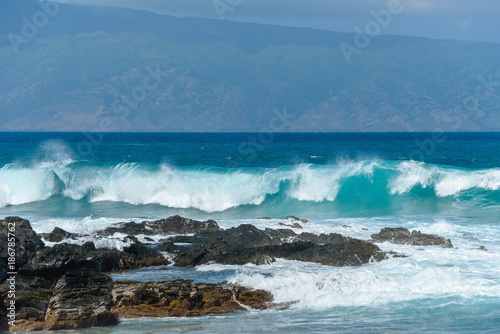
(55, 285)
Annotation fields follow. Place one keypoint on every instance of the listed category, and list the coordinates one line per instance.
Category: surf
(385, 186)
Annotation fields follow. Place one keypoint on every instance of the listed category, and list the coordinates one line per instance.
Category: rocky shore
(67, 286)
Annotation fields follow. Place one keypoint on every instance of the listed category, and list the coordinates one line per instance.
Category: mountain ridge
(96, 69)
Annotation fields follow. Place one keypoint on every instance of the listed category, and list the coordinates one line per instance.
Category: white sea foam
(411, 174)
(427, 272)
(5, 195)
(322, 183)
(219, 189)
(395, 280)
(209, 190)
(452, 183)
(445, 181)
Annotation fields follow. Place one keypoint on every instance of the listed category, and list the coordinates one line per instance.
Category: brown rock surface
(181, 298)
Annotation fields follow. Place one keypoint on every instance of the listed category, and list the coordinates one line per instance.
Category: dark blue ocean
(353, 184)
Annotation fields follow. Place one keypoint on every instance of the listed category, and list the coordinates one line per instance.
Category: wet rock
(4, 321)
(186, 239)
(247, 236)
(243, 236)
(220, 251)
(403, 236)
(131, 228)
(181, 298)
(280, 233)
(81, 302)
(294, 225)
(349, 252)
(256, 299)
(3, 256)
(336, 251)
(69, 302)
(293, 218)
(483, 248)
(27, 243)
(170, 226)
(321, 239)
(32, 299)
(57, 235)
(52, 262)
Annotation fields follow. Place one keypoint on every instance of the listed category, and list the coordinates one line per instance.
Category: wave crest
(212, 189)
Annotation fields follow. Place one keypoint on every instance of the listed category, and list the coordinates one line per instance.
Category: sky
(471, 20)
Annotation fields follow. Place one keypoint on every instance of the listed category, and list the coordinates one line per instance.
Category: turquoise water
(354, 184)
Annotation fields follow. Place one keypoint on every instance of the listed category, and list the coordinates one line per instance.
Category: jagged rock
(336, 251)
(305, 221)
(180, 225)
(180, 298)
(220, 251)
(280, 233)
(247, 236)
(32, 299)
(483, 248)
(27, 242)
(57, 235)
(51, 262)
(131, 228)
(4, 320)
(243, 236)
(170, 226)
(81, 302)
(3, 256)
(321, 239)
(256, 299)
(349, 252)
(70, 302)
(187, 239)
(294, 225)
(403, 236)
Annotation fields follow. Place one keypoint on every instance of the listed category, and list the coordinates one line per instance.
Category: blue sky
(475, 20)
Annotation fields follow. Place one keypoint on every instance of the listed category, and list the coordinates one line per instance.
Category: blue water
(354, 184)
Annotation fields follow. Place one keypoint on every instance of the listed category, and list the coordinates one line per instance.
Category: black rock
(27, 242)
(332, 238)
(219, 251)
(336, 250)
(403, 236)
(294, 225)
(131, 228)
(66, 258)
(180, 225)
(305, 221)
(280, 233)
(57, 235)
(247, 236)
(170, 226)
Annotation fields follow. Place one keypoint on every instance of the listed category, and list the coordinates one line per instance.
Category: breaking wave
(373, 183)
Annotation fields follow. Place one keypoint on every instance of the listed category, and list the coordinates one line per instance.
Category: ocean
(353, 184)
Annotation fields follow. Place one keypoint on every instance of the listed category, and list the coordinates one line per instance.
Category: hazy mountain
(89, 69)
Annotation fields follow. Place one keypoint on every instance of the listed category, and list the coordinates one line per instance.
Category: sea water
(353, 184)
